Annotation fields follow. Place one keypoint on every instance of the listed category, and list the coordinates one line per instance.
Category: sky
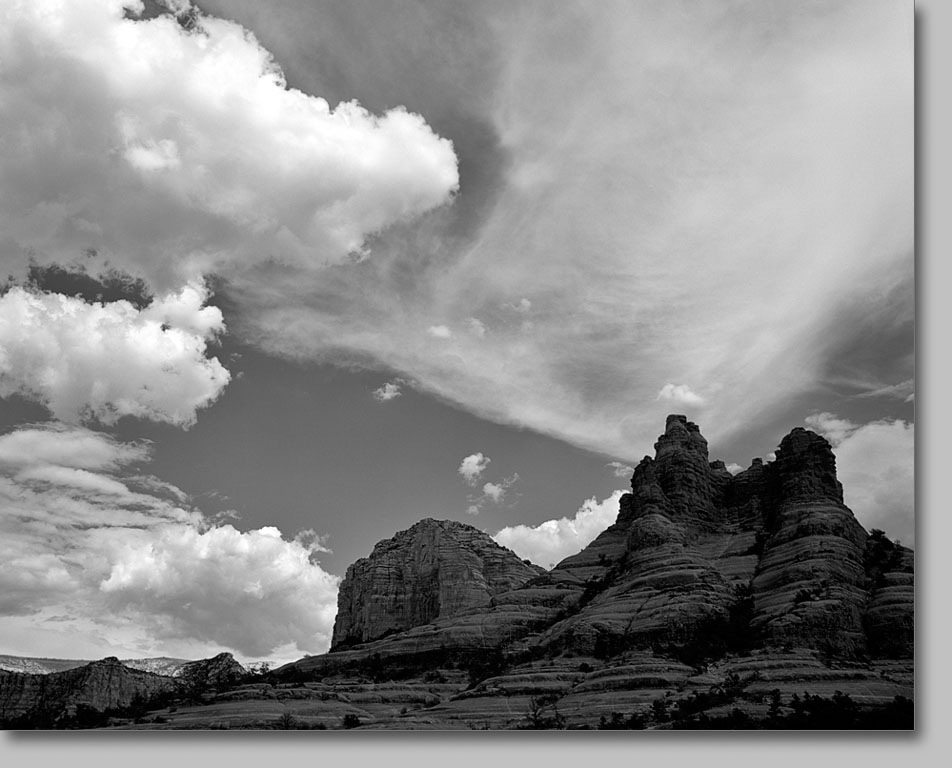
(286, 278)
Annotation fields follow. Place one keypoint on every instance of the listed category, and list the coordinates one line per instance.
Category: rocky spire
(806, 467)
(679, 478)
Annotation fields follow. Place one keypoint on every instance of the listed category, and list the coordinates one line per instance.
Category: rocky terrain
(713, 601)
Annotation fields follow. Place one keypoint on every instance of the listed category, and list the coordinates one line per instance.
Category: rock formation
(434, 570)
(217, 672)
(700, 566)
(100, 685)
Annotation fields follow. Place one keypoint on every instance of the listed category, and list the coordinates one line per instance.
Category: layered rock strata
(437, 569)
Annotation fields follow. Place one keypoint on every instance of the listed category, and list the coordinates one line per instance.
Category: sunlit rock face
(435, 570)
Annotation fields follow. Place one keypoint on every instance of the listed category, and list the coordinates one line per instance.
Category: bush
(543, 714)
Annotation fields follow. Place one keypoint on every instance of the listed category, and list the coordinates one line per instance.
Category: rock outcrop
(217, 672)
(100, 685)
(437, 569)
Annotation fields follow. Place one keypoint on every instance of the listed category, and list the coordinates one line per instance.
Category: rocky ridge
(159, 665)
(100, 685)
(107, 685)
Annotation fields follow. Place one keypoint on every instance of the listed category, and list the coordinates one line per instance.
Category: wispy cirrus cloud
(742, 178)
(620, 469)
(904, 390)
(492, 493)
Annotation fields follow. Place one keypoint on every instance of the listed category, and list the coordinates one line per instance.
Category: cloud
(476, 327)
(621, 470)
(552, 541)
(472, 466)
(904, 390)
(680, 393)
(831, 426)
(66, 446)
(439, 332)
(175, 152)
(875, 462)
(389, 391)
(743, 174)
(494, 491)
(107, 360)
(734, 468)
(80, 540)
(253, 590)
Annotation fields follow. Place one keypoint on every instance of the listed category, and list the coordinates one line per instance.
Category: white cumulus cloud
(176, 152)
(81, 540)
(875, 462)
(107, 360)
(472, 466)
(680, 393)
(552, 541)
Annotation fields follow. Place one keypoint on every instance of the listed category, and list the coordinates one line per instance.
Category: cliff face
(102, 685)
(434, 570)
(108, 684)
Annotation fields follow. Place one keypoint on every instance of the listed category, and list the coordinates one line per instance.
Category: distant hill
(159, 665)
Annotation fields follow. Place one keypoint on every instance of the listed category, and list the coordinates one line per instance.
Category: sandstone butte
(711, 594)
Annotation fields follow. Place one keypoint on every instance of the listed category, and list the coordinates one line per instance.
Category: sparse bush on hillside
(543, 714)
